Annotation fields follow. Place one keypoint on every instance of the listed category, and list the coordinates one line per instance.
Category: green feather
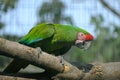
(66, 33)
(52, 38)
(38, 33)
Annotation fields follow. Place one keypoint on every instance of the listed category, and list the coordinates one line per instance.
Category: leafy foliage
(53, 12)
(5, 6)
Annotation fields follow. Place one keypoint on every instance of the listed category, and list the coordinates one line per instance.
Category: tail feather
(15, 66)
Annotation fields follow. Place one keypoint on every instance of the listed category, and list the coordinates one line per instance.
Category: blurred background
(99, 17)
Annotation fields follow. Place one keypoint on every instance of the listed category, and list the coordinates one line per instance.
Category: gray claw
(61, 60)
(39, 50)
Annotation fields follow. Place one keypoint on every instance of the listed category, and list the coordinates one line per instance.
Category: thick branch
(110, 8)
(13, 78)
(44, 60)
(37, 76)
(106, 71)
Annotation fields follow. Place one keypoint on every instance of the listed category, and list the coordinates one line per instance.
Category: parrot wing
(38, 33)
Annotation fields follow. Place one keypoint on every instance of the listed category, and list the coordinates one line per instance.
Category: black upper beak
(80, 45)
(84, 45)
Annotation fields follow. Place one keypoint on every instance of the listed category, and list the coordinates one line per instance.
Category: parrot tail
(15, 66)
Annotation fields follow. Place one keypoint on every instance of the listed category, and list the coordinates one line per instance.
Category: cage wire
(21, 19)
(25, 15)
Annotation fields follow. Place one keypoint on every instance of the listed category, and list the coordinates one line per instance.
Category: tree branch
(13, 78)
(37, 76)
(46, 61)
(103, 2)
(106, 71)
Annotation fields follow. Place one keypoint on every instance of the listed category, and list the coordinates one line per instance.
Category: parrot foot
(61, 60)
(85, 67)
(65, 67)
(39, 50)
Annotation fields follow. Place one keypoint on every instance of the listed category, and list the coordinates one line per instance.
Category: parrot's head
(83, 40)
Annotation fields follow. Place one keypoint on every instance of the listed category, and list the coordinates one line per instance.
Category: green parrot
(54, 39)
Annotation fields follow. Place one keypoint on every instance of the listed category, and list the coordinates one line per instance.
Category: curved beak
(89, 37)
(87, 45)
(84, 45)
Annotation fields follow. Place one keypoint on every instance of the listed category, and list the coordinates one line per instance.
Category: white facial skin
(80, 38)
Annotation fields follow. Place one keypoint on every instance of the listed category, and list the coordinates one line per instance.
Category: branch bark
(103, 2)
(106, 71)
(13, 78)
(46, 61)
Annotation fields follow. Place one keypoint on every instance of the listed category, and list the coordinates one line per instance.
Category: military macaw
(55, 39)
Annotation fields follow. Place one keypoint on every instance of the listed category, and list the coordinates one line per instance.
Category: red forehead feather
(89, 37)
